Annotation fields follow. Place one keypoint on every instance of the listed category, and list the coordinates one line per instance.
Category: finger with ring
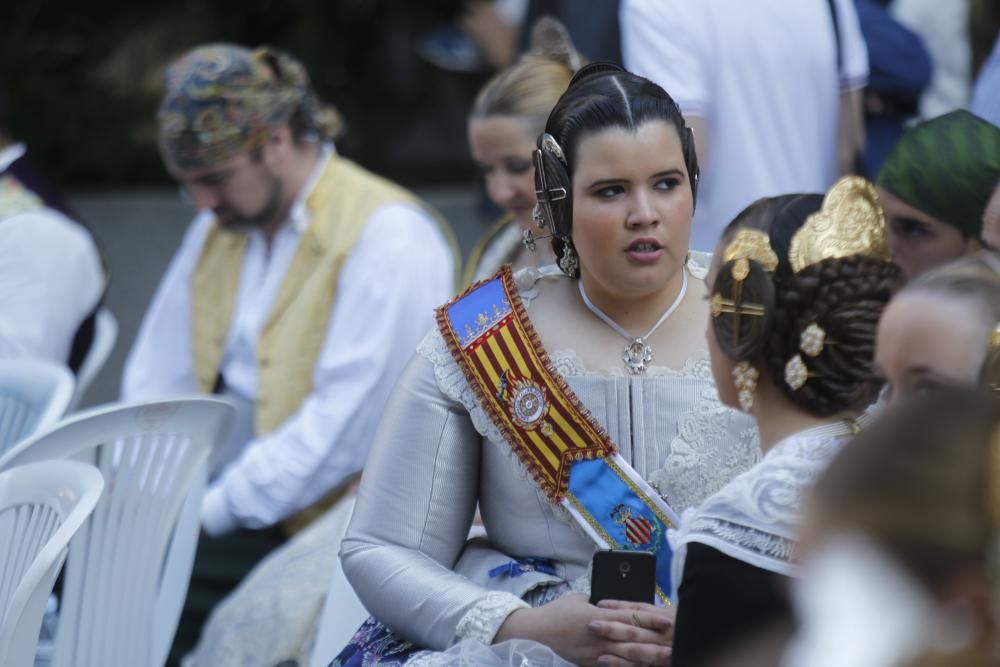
(635, 619)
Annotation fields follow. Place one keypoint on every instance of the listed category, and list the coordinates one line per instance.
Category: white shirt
(400, 268)
(763, 75)
(50, 279)
(944, 29)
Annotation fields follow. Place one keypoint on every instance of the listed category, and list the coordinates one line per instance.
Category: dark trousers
(220, 564)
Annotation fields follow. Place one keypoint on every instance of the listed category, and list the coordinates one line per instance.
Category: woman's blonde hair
(975, 279)
(531, 87)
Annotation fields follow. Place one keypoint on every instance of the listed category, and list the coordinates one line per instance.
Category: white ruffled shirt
(399, 270)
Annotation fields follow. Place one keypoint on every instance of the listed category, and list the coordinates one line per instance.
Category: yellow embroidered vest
(340, 204)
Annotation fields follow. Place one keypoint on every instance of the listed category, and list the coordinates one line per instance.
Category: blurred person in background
(299, 291)
(51, 276)
(936, 331)
(935, 186)
(772, 90)
(943, 28)
(508, 115)
(797, 285)
(900, 71)
(900, 542)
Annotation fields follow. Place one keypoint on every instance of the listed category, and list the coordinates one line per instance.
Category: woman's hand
(589, 635)
(642, 633)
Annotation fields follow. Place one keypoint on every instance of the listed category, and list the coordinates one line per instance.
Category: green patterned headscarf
(946, 167)
(222, 99)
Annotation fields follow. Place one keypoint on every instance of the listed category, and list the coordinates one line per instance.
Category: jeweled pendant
(637, 355)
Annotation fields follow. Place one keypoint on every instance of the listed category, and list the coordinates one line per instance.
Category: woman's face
(928, 341)
(722, 365)
(502, 147)
(632, 206)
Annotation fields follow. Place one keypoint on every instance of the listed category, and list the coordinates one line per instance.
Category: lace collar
(755, 517)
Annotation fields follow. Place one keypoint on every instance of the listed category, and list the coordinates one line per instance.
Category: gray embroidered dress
(437, 456)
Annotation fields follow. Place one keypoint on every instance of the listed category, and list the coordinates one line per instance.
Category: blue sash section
(615, 509)
(477, 311)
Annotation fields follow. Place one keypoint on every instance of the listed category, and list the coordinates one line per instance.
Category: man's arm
(399, 270)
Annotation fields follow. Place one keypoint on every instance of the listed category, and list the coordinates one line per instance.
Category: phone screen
(623, 575)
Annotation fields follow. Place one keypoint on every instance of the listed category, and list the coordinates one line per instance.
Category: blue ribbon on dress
(519, 566)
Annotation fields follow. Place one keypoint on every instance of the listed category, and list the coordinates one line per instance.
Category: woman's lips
(644, 251)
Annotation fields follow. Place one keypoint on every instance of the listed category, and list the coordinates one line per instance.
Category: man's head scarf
(946, 167)
(222, 99)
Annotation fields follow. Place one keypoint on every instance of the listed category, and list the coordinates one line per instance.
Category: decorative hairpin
(545, 195)
(812, 340)
(796, 372)
(850, 222)
(746, 245)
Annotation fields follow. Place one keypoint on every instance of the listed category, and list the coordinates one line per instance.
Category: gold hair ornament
(850, 222)
(747, 244)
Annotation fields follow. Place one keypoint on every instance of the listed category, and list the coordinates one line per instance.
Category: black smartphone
(623, 575)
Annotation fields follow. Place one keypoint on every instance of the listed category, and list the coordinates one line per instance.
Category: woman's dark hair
(602, 96)
(845, 297)
(922, 483)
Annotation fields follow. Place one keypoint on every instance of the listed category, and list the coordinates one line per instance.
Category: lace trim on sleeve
(484, 619)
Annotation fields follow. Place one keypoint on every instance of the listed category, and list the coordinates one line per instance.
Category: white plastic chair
(105, 335)
(129, 568)
(42, 506)
(34, 395)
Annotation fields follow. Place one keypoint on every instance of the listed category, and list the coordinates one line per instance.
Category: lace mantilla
(483, 621)
(755, 517)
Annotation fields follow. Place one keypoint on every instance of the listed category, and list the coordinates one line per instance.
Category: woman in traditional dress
(564, 402)
(508, 115)
(797, 286)
(936, 332)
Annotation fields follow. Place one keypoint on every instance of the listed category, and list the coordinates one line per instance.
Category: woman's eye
(667, 183)
(609, 191)
(519, 167)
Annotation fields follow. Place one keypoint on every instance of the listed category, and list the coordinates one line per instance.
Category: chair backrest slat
(34, 394)
(152, 456)
(42, 505)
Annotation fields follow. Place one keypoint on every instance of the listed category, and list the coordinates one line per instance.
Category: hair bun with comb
(550, 39)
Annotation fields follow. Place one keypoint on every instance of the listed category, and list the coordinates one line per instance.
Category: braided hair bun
(843, 297)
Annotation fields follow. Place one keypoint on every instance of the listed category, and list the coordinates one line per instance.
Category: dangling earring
(745, 378)
(569, 263)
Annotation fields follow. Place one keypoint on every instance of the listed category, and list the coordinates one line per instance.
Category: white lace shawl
(755, 517)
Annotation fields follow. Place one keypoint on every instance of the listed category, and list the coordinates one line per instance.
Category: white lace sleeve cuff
(483, 620)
